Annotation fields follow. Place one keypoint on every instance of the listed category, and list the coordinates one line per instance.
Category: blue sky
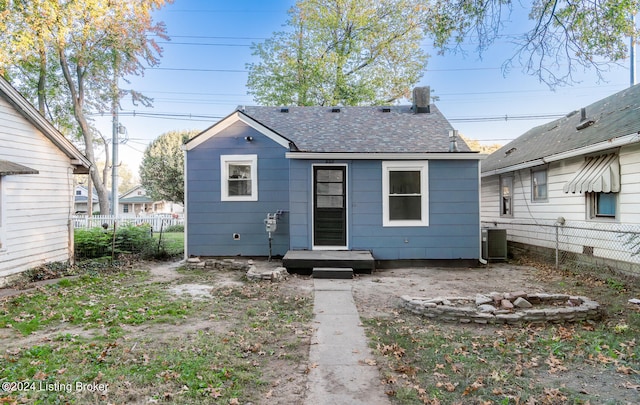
(202, 77)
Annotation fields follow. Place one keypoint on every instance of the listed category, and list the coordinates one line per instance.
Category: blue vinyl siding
(212, 222)
(454, 222)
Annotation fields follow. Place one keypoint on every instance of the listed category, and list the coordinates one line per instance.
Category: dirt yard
(376, 295)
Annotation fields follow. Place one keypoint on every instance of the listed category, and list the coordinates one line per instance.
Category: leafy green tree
(162, 167)
(350, 52)
(562, 36)
(68, 56)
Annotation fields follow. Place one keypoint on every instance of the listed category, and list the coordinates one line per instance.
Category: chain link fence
(566, 243)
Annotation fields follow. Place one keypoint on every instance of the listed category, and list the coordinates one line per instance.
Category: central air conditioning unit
(494, 244)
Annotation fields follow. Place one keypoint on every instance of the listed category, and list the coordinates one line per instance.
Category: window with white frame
(405, 189)
(602, 205)
(239, 177)
(506, 196)
(539, 184)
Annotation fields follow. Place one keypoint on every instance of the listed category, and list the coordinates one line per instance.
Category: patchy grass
(424, 362)
(172, 243)
(144, 344)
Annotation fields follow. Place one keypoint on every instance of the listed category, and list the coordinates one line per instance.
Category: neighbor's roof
(136, 199)
(612, 117)
(8, 168)
(358, 129)
(28, 111)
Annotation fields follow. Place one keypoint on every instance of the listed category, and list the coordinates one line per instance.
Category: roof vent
(284, 110)
(335, 110)
(386, 109)
(584, 122)
(422, 100)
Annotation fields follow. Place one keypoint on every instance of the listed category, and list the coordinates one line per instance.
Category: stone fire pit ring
(505, 308)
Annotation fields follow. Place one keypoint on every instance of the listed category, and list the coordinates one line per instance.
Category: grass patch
(426, 362)
(172, 243)
(148, 345)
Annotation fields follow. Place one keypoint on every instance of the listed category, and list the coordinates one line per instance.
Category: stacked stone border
(557, 308)
(253, 273)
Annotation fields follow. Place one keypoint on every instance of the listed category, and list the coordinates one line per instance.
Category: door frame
(346, 206)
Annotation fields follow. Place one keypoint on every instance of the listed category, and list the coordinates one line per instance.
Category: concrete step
(333, 272)
(303, 261)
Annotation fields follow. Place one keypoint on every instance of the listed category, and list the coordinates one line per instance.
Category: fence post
(557, 246)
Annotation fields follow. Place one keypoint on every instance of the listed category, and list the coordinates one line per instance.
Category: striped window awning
(598, 174)
(8, 168)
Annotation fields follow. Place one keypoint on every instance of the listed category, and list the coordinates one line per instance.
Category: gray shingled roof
(358, 129)
(614, 116)
(8, 168)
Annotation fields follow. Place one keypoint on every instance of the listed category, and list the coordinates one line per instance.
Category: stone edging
(559, 308)
(252, 272)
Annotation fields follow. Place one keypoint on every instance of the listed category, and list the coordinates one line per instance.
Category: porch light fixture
(248, 138)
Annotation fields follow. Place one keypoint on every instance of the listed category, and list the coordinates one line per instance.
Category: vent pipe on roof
(453, 140)
(584, 122)
(422, 100)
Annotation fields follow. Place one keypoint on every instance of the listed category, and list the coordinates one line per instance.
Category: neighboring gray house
(380, 179)
(37, 164)
(579, 174)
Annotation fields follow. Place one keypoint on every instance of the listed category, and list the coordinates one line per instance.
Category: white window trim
(423, 167)
(502, 178)
(591, 208)
(225, 161)
(546, 197)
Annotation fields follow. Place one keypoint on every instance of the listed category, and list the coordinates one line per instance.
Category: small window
(506, 196)
(78, 192)
(602, 205)
(539, 185)
(125, 208)
(405, 200)
(239, 177)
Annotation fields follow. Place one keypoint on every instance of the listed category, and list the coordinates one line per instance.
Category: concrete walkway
(338, 372)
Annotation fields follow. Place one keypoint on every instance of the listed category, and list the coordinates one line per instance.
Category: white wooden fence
(157, 222)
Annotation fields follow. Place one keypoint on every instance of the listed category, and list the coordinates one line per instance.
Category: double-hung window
(506, 196)
(239, 177)
(405, 199)
(539, 185)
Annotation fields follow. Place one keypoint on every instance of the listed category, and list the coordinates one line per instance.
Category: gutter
(596, 147)
(386, 155)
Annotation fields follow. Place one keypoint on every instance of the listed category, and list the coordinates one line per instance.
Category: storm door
(329, 206)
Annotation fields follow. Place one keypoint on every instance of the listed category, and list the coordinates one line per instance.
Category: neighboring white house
(37, 164)
(572, 186)
(81, 198)
(136, 202)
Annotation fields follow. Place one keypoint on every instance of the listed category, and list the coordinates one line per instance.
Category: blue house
(387, 180)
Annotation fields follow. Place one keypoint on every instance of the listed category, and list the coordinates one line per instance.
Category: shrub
(174, 228)
(93, 242)
(98, 242)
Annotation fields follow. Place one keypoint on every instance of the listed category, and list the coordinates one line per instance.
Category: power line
(506, 117)
(208, 117)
